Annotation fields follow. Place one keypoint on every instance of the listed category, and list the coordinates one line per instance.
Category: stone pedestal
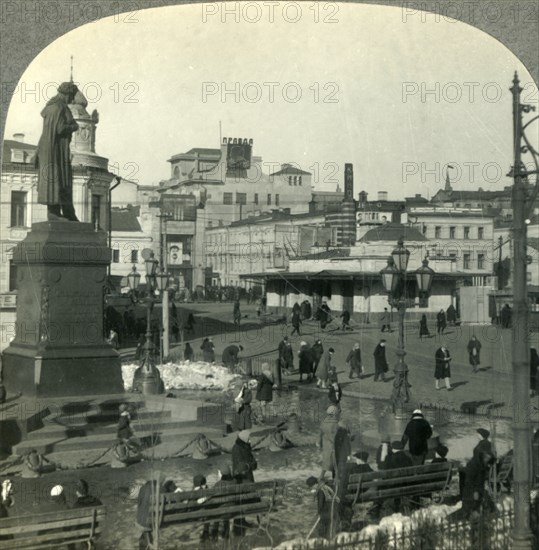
(59, 348)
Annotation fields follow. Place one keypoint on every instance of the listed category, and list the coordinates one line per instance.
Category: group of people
(262, 388)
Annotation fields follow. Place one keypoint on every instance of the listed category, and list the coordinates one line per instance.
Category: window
(295, 180)
(437, 232)
(299, 180)
(18, 208)
(134, 256)
(466, 261)
(256, 198)
(12, 276)
(424, 230)
(289, 180)
(466, 232)
(241, 198)
(115, 256)
(276, 199)
(480, 232)
(528, 277)
(452, 232)
(227, 198)
(480, 261)
(96, 211)
(269, 199)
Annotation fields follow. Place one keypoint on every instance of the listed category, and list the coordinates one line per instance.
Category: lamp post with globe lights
(147, 378)
(394, 281)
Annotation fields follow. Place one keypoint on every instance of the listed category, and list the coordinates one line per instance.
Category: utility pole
(522, 535)
(163, 218)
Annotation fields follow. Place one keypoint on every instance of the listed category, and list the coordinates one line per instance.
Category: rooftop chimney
(18, 137)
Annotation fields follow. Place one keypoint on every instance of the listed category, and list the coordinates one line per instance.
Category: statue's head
(69, 89)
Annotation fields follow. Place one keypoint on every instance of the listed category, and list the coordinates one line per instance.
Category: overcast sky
(362, 80)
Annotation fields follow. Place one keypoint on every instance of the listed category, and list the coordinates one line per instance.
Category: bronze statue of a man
(53, 158)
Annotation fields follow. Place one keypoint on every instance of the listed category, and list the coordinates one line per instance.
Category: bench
(501, 474)
(415, 481)
(52, 529)
(221, 503)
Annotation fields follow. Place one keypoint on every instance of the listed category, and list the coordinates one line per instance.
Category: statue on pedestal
(53, 157)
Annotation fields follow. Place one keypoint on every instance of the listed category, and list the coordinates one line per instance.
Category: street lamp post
(394, 281)
(147, 378)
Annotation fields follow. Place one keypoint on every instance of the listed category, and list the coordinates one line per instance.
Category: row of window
(467, 261)
(116, 256)
(241, 198)
(467, 233)
(294, 180)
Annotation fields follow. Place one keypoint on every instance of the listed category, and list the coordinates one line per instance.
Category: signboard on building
(175, 253)
(238, 154)
(349, 181)
(180, 207)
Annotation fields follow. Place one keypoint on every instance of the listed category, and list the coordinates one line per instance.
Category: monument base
(62, 372)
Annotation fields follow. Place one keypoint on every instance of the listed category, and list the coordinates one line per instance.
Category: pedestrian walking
(264, 392)
(328, 431)
(474, 351)
(208, 350)
(380, 361)
(345, 316)
(423, 327)
(286, 355)
(306, 362)
(296, 322)
(417, 434)
(451, 315)
(353, 361)
(324, 368)
(324, 315)
(442, 370)
(441, 323)
(318, 351)
(306, 310)
(384, 321)
(236, 313)
(335, 390)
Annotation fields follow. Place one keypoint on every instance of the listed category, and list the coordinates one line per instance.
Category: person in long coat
(384, 321)
(305, 310)
(318, 351)
(286, 355)
(328, 432)
(264, 392)
(53, 155)
(188, 353)
(354, 361)
(505, 316)
(534, 366)
(440, 322)
(442, 370)
(296, 308)
(474, 483)
(380, 361)
(451, 315)
(423, 327)
(296, 322)
(324, 315)
(305, 362)
(243, 460)
(343, 447)
(474, 351)
(244, 419)
(208, 350)
(324, 368)
(236, 313)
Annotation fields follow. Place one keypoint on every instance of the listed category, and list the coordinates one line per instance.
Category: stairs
(89, 423)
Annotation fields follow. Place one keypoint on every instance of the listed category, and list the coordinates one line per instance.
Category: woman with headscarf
(325, 368)
(243, 405)
(423, 327)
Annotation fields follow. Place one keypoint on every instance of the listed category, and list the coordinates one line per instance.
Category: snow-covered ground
(196, 375)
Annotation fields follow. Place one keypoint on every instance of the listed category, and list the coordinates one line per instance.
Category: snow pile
(196, 375)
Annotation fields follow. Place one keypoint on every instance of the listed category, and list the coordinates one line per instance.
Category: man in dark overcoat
(380, 362)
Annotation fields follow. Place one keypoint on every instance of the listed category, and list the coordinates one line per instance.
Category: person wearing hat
(286, 355)
(442, 370)
(306, 362)
(473, 492)
(53, 155)
(441, 454)
(326, 365)
(264, 393)
(57, 500)
(484, 445)
(296, 321)
(84, 498)
(417, 434)
(243, 460)
(354, 362)
(474, 353)
(384, 321)
(328, 432)
(327, 506)
(380, 361)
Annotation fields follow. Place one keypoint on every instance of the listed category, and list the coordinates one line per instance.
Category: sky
(400, 98)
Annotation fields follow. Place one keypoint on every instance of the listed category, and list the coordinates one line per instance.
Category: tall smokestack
(348, 211)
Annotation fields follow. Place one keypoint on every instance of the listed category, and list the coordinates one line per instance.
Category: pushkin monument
(59, 347)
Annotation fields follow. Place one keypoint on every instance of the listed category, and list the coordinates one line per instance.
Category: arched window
(295, 180)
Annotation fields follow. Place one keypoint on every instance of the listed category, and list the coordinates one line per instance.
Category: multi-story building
(262, 243)
(235, 182)
(466, 234)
